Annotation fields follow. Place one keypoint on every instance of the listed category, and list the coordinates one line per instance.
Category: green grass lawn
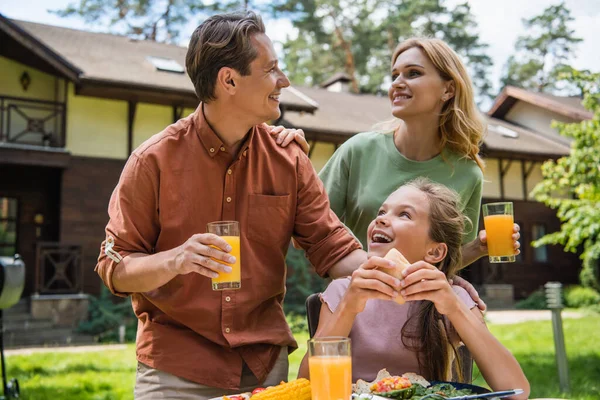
(110, 374)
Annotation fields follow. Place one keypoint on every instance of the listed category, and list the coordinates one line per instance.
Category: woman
(423, 221)
(437, 133)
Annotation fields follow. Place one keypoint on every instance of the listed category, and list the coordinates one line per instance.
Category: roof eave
(69, 70)
(507, 98)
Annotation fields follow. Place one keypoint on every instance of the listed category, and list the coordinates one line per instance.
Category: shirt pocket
(269, 218)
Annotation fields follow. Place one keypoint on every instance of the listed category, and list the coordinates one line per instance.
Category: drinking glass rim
(329, 339)
(498, 203)
(216, 223)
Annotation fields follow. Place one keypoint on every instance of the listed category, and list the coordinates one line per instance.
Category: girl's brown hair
(461, 125)
(426, 330)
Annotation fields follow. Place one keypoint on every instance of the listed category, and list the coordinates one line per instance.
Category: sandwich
(401, 264)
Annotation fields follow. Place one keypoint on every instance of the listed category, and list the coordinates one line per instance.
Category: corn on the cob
(294, 390)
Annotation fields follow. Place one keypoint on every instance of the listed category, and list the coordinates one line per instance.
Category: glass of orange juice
(330, 368)
(230, 232)
(499, 221)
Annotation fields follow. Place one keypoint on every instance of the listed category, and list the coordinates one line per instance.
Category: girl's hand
(285, 136)
(370, 283)
(423, 281)
(516, 236)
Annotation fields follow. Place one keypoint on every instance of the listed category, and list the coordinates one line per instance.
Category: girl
(423, 221)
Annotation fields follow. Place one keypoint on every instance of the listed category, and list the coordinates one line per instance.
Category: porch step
(25, 322)
(22, 307)
(44, 337)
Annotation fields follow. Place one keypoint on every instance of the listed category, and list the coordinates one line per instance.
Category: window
(166, 64)
(540, 254)
(8, 226)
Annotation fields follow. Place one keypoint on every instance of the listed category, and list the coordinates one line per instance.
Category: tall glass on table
(499, 220)
(330, 368)
(230, 232)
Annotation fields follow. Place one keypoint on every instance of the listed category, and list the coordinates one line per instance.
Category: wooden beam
(177, 112)
(525, 172)
(312, 144)
(131, 108)
(503, 171)
(24, 155)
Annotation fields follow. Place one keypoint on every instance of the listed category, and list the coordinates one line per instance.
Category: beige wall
(513, 180)
(42, 86)
(536, 118)
(96, 127)
(150, 119)
(321, 153)
(491, 181)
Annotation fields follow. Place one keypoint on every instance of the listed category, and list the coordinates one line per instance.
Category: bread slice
(401, 264)
(416, 379)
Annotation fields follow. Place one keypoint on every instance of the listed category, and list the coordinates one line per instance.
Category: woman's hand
(285, 136)
(463, 283)
(423, 281)
(483, 247)
(370, 283)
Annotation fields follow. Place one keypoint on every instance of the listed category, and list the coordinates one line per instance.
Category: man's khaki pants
(152, 384)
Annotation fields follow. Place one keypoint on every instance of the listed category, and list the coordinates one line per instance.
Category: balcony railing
(58, 268)
(32, 122)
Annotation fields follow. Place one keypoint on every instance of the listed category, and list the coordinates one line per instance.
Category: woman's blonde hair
(426, 331)
(461, 125)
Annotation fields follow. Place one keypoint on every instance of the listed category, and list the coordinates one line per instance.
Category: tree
(360, 37)
(542, 54)
(577, 178)
(157, 20)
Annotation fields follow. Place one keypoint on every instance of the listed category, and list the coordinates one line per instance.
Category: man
(218, 164)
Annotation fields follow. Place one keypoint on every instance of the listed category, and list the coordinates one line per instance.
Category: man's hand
(200, 254)
(463, 283)
(285, 136)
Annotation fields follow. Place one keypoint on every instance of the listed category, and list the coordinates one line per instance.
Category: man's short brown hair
(223, 40)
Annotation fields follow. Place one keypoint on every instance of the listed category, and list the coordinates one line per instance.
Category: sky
(500, 23)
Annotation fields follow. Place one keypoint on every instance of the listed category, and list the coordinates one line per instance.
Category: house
(74, 104)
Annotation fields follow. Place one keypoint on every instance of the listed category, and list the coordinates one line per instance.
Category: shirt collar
(210, 140)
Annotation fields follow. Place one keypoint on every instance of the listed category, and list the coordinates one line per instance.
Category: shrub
(579, 296)
(106, 313)
(535, 301)
(297, 322)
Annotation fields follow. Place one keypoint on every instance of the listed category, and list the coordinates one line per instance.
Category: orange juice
(330, 377)
(499, 230)
(235, 274)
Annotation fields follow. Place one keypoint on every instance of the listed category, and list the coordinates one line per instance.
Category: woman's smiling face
(417, 87)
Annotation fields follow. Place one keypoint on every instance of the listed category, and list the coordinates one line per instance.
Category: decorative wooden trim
(131, 108)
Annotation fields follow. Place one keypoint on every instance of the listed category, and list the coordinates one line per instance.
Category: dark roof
(116, 60)
(499, 139)
(340, 76)
(568, 106)
(341, 114)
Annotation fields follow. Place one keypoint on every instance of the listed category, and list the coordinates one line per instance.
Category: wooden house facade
(74, 104)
